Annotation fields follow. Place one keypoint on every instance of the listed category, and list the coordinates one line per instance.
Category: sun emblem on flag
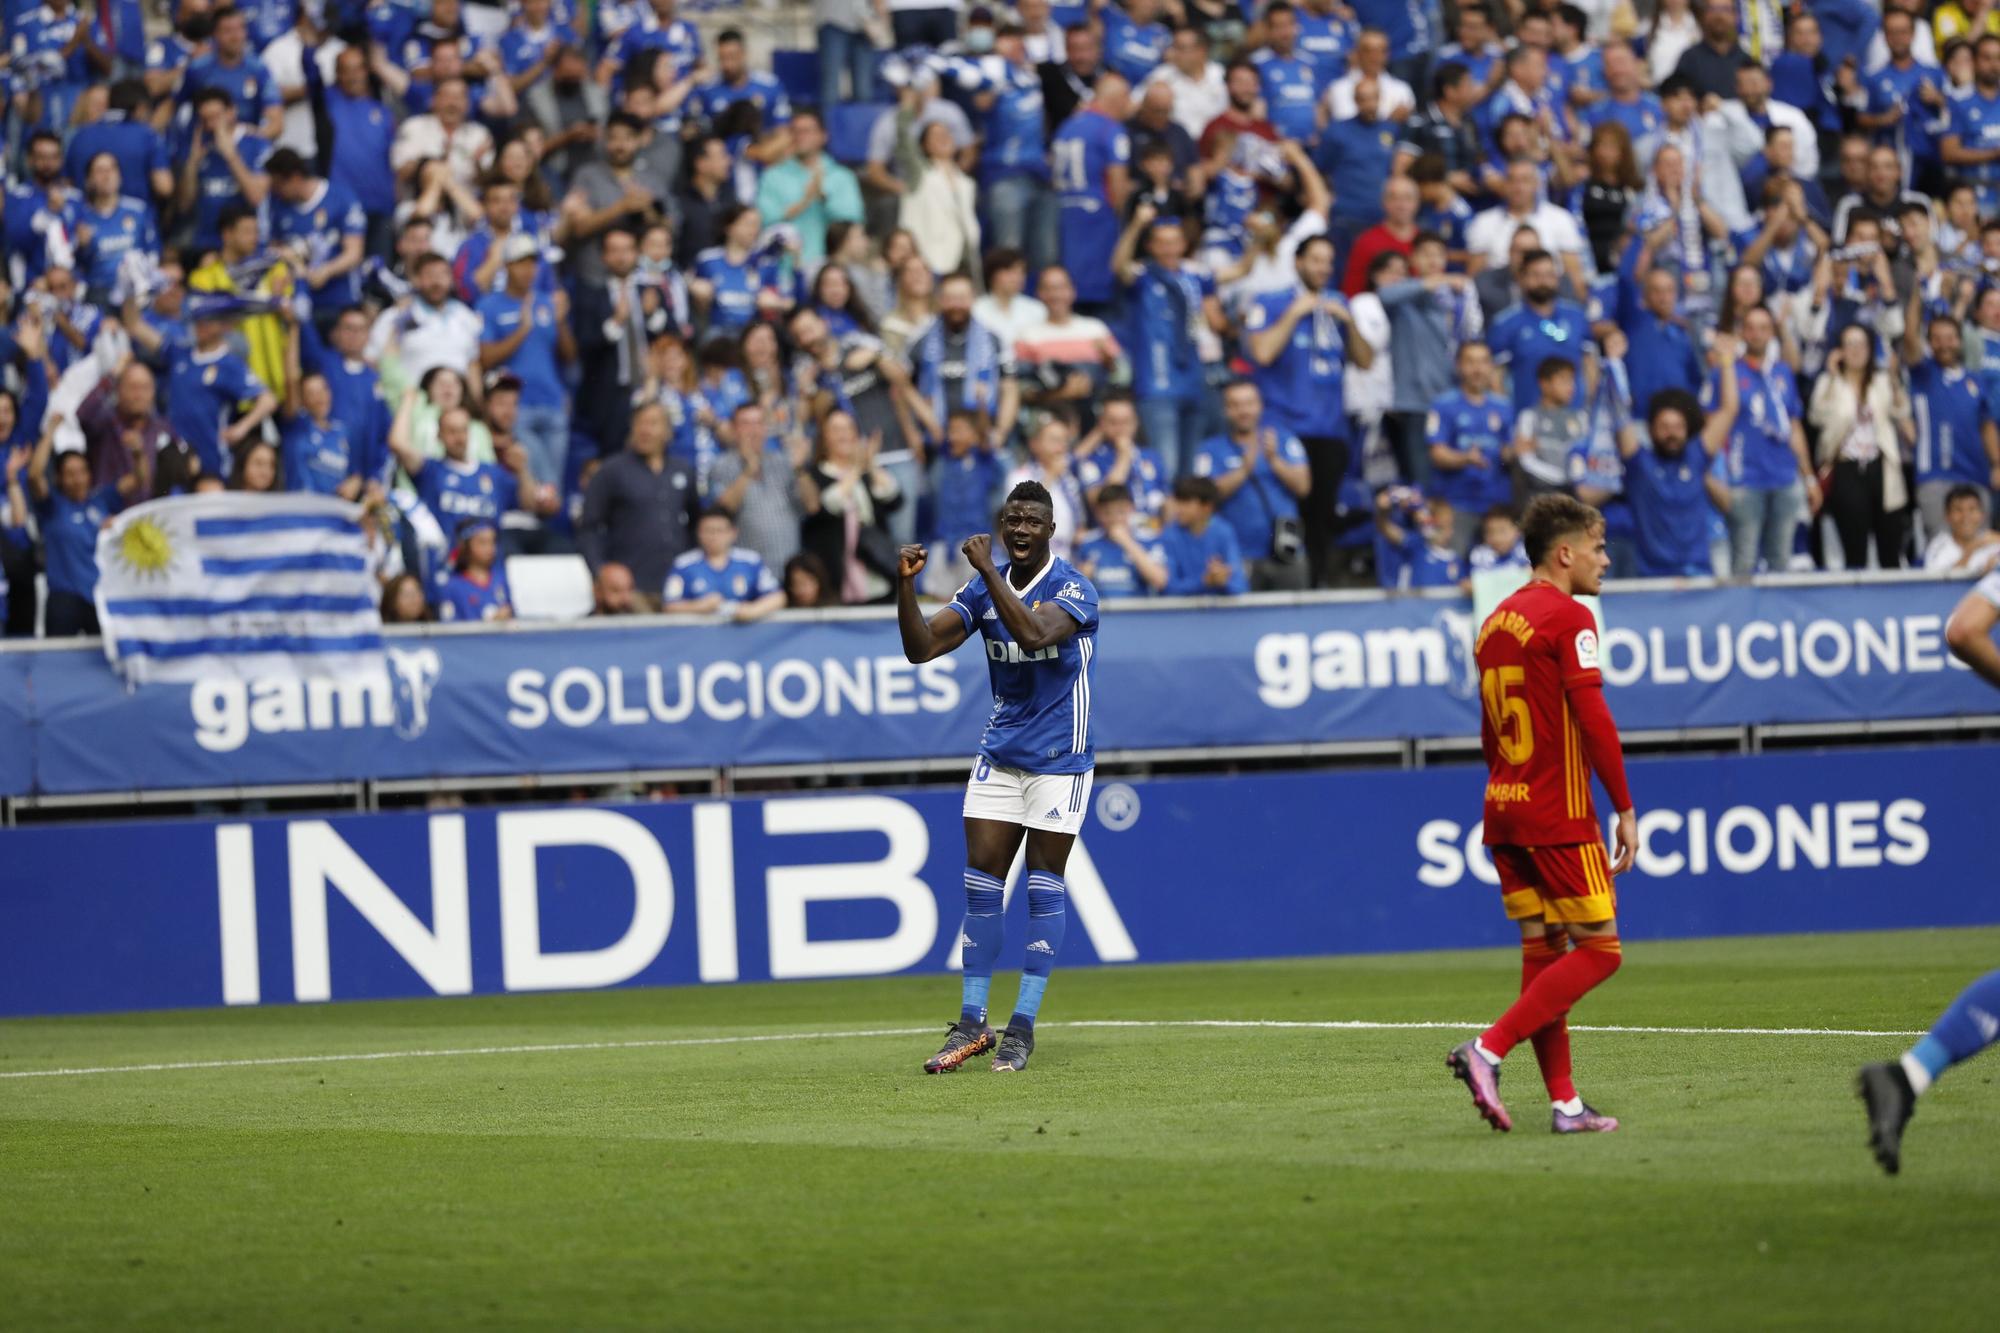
(145, 547)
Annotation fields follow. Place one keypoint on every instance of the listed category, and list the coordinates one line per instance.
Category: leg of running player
(1969, 1026)
(1048, 914)
(990, 846)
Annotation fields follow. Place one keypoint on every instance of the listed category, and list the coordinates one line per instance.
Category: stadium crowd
(1268, 297)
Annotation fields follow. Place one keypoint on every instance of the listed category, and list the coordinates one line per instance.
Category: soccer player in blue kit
(1038, 618)
(1972, 1022)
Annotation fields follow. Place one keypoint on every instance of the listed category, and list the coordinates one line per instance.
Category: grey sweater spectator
(1430, 315)
(760, 481)
(641, 507)
(617, 190)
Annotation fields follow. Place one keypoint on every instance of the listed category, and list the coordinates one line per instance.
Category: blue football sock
(985, 929)
(1967, 1028)
(1048, 914)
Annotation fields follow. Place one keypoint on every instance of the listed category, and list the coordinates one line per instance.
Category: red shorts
(1557, 884)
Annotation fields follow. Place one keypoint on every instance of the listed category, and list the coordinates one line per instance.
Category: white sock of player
(1486, 1055)
(1920, 1077)
(1574, 1106)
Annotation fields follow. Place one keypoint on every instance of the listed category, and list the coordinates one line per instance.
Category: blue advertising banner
(145, 916)
(598, 698)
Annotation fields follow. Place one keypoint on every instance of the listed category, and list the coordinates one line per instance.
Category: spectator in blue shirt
(1768, 461)
(719, 574)
(1668, 478)
(1170, 303)
(363, 130)
(1468, 434)
(1135, 41)
(1203, 558)
(326, 223)
(735, 282)
(965, 482)
(1261, 472)
(1356, 155)
(40, 207)
(110, 226)
(476, 588)
(528, 49)
(69, 509)
(736, 82)
(1538, 327)
(1020, 207)
(1291, 85)
(231, 67)
(528, 333)
(1500, 545)
(1663, 350)
(207, 384)
(1111, 455)
(355, 388)
(1125, 558)
(1091, 157)
(1418, 551)
(224, 166)
(126, 132)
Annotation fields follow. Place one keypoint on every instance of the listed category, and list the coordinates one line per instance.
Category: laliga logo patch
(1586, 649)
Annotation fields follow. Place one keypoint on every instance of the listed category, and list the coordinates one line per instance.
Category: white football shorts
(1053, 801)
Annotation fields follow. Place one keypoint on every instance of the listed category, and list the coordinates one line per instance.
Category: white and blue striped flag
(197, 586)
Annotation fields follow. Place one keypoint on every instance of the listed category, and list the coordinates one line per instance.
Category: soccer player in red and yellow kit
(1545, 727)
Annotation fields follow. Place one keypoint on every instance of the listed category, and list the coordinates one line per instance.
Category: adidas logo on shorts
(1053, 813)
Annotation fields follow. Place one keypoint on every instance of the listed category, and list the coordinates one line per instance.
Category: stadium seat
(798, 72)
(550, 587)
(848, 127)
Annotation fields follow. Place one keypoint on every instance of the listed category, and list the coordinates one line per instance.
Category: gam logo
(227, 712)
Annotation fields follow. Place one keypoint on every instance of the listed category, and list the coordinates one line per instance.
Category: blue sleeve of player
(971, 602)
(1078, 596)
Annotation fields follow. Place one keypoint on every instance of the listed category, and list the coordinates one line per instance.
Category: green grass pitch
(1251, 1178)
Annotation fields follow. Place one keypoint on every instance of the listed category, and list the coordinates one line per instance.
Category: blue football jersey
(1087, 146)
(1041, 701)
(459, 598)
(743, 577)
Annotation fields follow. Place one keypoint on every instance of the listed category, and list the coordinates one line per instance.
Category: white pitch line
(661, 1043)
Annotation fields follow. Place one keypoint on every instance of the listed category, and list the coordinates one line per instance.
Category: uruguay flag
(198, 586)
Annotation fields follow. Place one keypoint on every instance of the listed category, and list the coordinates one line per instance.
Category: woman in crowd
(1863, 419)
(442, 390)
(403, 601)
(1609, 194)
(257, 469)
(914, 308)
(1675, 28)
(805, 583)
(849, 532)
(834, 297)
(940, 209)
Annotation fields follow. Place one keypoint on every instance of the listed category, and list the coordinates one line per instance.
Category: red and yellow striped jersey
(1537, 646)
